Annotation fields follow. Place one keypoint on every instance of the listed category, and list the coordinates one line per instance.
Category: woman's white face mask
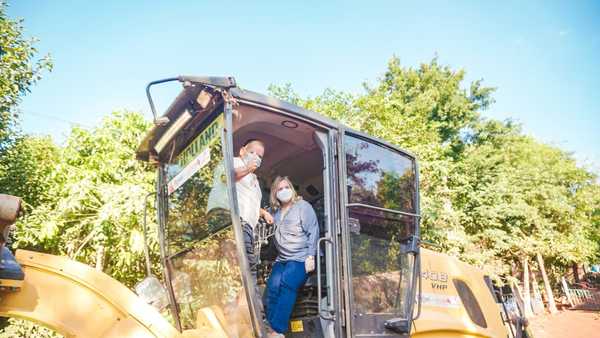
(284, 195)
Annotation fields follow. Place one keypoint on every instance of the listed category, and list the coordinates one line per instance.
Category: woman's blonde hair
(275, 204)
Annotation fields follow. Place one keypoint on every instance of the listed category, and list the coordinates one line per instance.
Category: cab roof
(217, 86)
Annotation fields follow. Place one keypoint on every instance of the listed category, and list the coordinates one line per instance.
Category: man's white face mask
(284, 195)
(252, 157)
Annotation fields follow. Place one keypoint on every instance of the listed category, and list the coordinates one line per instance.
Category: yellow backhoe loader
(373, 278)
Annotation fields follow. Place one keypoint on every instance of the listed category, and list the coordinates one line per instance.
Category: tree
(489, 194)
(19, 70)
(526, 292)
(95, 200)
(424, 110)
(20, 171)
(549, 295)
(22, 328)
(26, 167)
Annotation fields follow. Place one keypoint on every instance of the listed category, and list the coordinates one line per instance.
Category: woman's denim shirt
(297, 233)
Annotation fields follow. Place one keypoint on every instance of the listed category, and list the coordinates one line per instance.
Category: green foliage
(519, 197)
(26, 167)
(95, 200)
(26, 329)
(25, 161)
(19, 70)
(489, 194)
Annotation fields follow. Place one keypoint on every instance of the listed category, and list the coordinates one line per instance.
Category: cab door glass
(205, 272)
(381, 218)
(379, 177)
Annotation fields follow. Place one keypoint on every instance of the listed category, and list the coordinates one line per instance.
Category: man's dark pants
(253, 261)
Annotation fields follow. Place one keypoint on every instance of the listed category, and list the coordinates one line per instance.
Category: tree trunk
(100, 258)
(526, 292)
(575, 267)
(566, 290)
(549, 294)
(514, 271)
(537, 303)
(516, 290)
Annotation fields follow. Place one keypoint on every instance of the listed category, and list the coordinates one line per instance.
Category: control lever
(262, 232)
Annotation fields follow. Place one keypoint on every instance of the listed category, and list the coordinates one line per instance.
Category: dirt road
(567, 324)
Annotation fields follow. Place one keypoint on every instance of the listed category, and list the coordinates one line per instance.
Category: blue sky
(544, 57)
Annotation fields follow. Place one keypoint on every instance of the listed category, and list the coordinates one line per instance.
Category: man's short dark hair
(253, 140)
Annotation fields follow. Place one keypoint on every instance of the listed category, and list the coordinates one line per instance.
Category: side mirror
(152, 292)
(150, 288)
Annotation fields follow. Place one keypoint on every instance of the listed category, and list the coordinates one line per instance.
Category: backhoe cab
(364, 191)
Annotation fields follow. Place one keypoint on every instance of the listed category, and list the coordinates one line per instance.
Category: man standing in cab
(249, 198)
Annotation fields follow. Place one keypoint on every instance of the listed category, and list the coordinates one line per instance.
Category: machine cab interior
(364, 193)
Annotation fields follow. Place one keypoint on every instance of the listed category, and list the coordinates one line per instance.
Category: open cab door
(205, 269)
(380, 230)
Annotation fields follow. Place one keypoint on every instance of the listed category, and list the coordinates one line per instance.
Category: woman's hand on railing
(309, 264)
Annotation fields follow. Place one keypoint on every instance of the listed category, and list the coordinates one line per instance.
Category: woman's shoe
(272, 333)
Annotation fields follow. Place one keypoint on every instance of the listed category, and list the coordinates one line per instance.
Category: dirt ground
(567, 324)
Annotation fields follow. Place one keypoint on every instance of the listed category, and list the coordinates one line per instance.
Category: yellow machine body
(443, 312)
(79, 301)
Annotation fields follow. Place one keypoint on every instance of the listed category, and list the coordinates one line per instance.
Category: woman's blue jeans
(282, 288)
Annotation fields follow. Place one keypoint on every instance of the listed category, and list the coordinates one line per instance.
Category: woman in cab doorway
(296, 239)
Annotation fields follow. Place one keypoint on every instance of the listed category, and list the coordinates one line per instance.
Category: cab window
(382, 219)
(379, 177)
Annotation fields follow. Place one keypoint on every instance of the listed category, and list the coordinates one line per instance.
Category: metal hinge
(338, 225)
(335, 146)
